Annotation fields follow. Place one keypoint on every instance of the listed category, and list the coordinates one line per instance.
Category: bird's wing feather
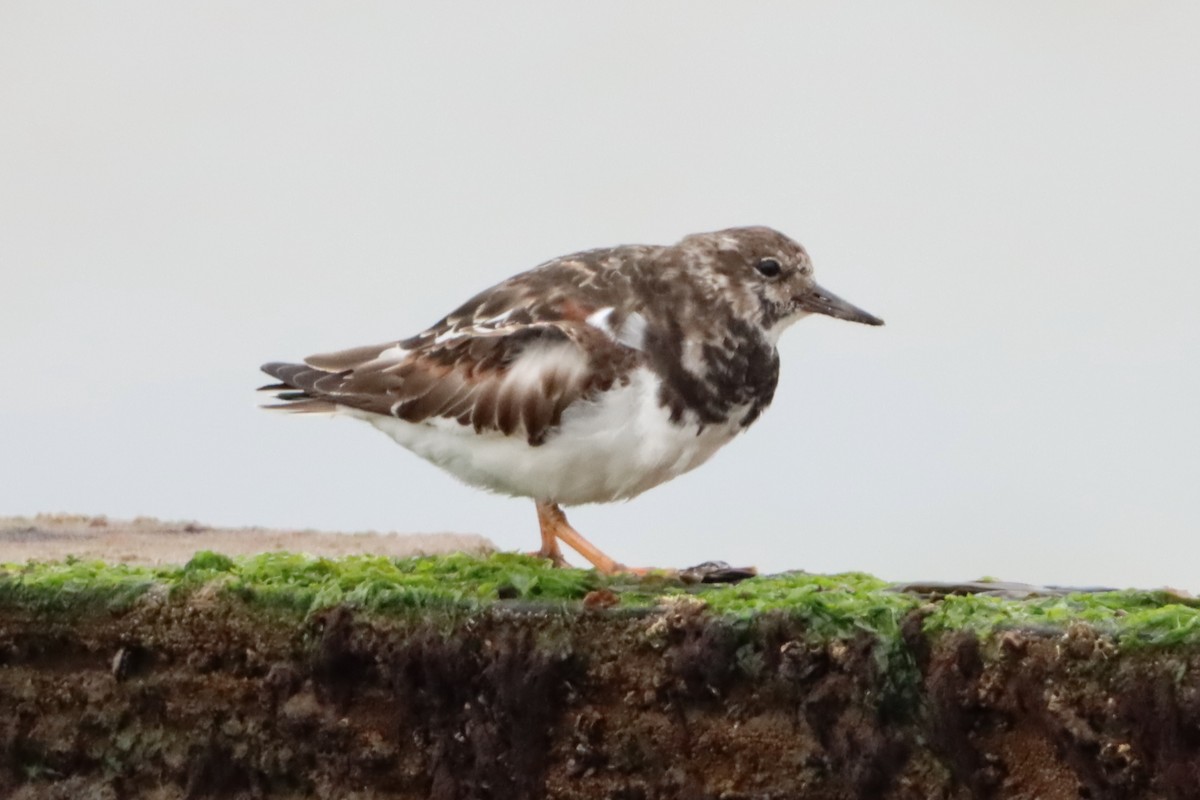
(513, 379)
(511, 359)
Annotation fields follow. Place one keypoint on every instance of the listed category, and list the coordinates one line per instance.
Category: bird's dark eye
(769, 267)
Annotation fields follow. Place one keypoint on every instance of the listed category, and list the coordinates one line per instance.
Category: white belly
(611, 449)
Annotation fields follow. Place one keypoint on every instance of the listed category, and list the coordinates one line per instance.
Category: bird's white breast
(612, 448)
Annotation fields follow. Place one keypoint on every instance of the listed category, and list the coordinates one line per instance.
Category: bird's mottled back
(703, 315)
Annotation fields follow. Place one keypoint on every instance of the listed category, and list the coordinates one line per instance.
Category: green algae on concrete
(75, 585)
(1134, 618)
(298, 582)
(834, 605)
(831, 606)
(380, 583)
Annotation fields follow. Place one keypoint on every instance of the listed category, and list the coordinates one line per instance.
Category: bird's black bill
(820, 301)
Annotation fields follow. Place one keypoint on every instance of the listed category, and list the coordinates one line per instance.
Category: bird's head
(770, 275)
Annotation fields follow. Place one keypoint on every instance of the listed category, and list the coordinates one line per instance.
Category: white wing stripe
(632, 332)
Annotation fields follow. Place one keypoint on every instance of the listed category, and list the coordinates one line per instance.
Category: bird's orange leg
(555, 526)
(549, 550)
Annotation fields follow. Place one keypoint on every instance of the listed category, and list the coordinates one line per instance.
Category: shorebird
(590, 378)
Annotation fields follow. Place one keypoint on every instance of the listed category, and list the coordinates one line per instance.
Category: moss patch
(72, 584)
(1133, 618)
(830, 606)
(299, 582)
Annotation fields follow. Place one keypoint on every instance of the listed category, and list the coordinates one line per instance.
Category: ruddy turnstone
(590, 378)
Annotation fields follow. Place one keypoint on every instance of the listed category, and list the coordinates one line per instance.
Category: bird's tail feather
(295, 399)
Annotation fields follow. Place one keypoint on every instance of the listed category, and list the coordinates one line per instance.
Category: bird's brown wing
(516, 380)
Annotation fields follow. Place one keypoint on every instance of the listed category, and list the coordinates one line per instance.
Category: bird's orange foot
(555, 527)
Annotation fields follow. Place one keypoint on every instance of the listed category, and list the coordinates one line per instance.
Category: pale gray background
(188, 190)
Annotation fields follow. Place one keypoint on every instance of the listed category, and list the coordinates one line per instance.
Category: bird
(590, 378)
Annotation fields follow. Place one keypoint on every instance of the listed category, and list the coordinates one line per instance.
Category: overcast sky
(189, 190)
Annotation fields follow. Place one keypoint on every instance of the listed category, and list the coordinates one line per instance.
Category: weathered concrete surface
(146, 540)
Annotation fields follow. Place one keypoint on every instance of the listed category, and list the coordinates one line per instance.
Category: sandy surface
(151, 541)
